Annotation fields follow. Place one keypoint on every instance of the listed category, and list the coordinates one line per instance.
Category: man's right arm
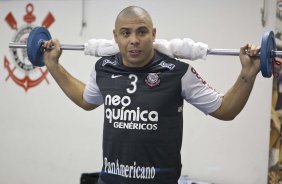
(71, 86)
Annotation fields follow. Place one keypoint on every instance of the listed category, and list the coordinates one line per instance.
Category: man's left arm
(236, 97)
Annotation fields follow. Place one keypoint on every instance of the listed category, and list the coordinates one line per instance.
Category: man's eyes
(141, 32)
(125, 33)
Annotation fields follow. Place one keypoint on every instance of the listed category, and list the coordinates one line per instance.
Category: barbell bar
(40, 34)
(63, 46)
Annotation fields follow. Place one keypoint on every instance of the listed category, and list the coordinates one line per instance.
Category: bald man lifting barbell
(143, 89)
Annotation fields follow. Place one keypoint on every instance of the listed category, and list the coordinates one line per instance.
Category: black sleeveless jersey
(143, 117)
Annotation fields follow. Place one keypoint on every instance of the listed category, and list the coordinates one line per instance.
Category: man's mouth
(135, 52)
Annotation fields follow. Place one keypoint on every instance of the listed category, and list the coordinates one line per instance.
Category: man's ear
(154, 33)
(115, 35)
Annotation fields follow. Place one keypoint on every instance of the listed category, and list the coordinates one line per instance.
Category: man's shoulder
(172, 63)
(107, 60)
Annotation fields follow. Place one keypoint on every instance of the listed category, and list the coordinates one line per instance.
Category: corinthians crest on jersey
(152, 79)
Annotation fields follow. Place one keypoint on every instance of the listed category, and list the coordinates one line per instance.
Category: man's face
(135, 37)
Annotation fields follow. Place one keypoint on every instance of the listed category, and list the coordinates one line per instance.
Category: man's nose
(134, 40)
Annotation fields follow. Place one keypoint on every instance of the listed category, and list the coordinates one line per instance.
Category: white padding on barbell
(182, 48)
(176, 48)
(188, 49)
(163, 46)
(100, 47)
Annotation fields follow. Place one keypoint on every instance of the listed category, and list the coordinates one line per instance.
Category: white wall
(45, 138)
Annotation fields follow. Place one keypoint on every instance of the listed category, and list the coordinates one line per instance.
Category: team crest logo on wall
(20, 70)
(279, 9)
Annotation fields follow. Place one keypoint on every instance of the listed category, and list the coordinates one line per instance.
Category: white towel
(176, 48)
(163, 46)
(188, 49)
(100, 47)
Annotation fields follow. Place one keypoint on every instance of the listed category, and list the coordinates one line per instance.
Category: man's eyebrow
(143, 28)
(126, 29)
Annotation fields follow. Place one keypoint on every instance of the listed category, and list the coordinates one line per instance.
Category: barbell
(38, 35)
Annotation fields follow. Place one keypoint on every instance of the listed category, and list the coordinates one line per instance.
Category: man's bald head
(133, 12)
(134, 33)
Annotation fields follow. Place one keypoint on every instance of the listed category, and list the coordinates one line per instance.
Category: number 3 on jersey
(133, 86)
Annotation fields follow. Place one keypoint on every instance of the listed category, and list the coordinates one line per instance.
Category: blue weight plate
(34, 40)
(266, 58)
